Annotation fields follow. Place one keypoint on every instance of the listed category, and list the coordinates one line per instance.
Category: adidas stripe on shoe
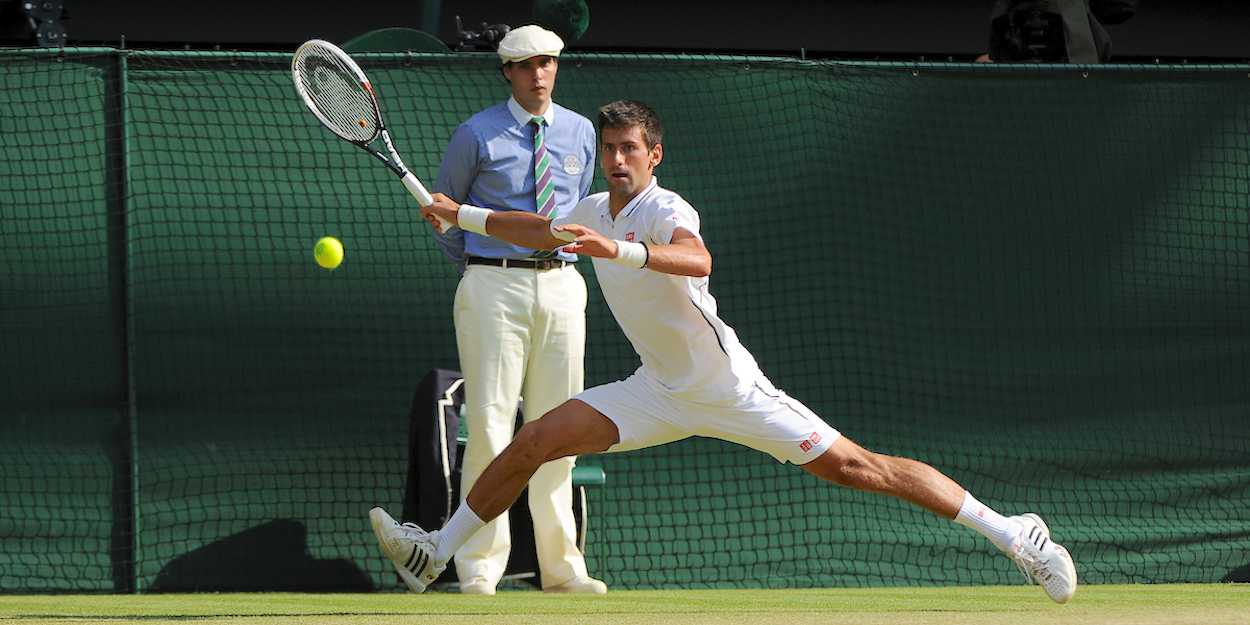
(410, 548)
(1042, 559)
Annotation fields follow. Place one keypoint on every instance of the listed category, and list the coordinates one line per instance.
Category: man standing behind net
(696, 379)
(520, 313)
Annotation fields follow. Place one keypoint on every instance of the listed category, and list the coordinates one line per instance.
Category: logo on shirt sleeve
(572, 166)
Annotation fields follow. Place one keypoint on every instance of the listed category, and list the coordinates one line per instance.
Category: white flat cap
(527, 42)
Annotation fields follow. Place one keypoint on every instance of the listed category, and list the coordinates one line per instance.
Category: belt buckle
(543, 264)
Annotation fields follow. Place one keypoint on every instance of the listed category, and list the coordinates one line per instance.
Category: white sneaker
(582, 585)
(410, 548)
(1042, 559)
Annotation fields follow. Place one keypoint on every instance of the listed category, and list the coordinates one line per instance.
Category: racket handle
(423, 197)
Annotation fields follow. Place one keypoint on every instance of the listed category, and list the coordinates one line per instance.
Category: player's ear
(657, 154)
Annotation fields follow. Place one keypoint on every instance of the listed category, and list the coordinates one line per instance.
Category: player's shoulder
(667, 198)
(667, 206)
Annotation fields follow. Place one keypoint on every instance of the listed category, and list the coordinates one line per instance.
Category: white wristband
(473, 218)
(632, 254)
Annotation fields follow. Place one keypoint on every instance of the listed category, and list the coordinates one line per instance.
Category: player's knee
(530, 438)
(542, 440)
(569, 430)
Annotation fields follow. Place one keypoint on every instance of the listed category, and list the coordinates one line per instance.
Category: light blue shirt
(490, 163)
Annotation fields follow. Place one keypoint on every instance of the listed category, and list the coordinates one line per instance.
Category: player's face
(532, 81)
(627, 162)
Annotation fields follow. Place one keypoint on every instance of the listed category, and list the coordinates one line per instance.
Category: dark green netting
(1035, 278)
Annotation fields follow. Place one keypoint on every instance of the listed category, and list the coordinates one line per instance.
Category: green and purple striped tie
(544, 187)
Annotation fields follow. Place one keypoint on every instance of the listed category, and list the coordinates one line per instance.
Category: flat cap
(527, 42)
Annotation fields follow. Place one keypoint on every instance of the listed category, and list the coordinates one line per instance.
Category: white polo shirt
(670, 320)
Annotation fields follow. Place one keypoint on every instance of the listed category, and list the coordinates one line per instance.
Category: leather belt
(508, 263)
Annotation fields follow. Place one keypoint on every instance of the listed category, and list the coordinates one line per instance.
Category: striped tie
(544, 188)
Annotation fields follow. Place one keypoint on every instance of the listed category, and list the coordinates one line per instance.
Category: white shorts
(647, 414)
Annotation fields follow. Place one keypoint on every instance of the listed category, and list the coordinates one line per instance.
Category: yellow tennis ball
(329, 252)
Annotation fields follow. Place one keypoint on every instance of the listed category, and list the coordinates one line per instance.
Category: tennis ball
(329, 252)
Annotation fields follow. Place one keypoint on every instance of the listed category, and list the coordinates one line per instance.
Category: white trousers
(520, 333)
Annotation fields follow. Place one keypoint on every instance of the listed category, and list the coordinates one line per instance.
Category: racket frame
(395, 163)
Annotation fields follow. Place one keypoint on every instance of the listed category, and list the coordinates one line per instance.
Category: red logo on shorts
(811, 441)
(629, 237)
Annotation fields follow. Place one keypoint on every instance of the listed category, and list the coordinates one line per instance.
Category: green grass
(1103, 605)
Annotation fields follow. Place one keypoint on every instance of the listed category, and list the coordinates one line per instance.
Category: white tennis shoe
(1042, 559)
(410, 548)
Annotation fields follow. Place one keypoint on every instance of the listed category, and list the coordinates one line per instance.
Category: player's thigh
(770, 421)
(643, 415)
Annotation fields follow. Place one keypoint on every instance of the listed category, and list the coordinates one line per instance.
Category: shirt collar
(632, 204)
(523, 116)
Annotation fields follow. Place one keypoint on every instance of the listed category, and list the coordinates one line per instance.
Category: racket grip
(423, 197)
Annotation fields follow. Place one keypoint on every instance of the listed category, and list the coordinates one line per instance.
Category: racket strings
(344, 103)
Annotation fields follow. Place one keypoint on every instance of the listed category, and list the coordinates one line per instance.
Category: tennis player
(696, 379)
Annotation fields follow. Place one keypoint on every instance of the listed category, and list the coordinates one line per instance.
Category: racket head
(337, 91)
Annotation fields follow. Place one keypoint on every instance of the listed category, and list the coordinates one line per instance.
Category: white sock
(462, 525)
(1001, 530)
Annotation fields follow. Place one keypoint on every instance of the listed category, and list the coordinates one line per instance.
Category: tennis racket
(338, 93)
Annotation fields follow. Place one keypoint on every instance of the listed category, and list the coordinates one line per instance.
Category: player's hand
(444, 207)
(586, 241)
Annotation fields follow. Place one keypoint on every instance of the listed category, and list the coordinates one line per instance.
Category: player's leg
(770, 421)
(572, 429)
(848, 464)
(493, 341)
(554, 374)
(1025, 538)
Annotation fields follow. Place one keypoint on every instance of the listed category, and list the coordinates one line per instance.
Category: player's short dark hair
(630, 113)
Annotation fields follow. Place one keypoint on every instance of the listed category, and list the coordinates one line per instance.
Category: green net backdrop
(1035, 278)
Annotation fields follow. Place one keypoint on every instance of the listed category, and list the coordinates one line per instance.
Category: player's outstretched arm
(516, 227)
(523, 229)
(684, 256)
